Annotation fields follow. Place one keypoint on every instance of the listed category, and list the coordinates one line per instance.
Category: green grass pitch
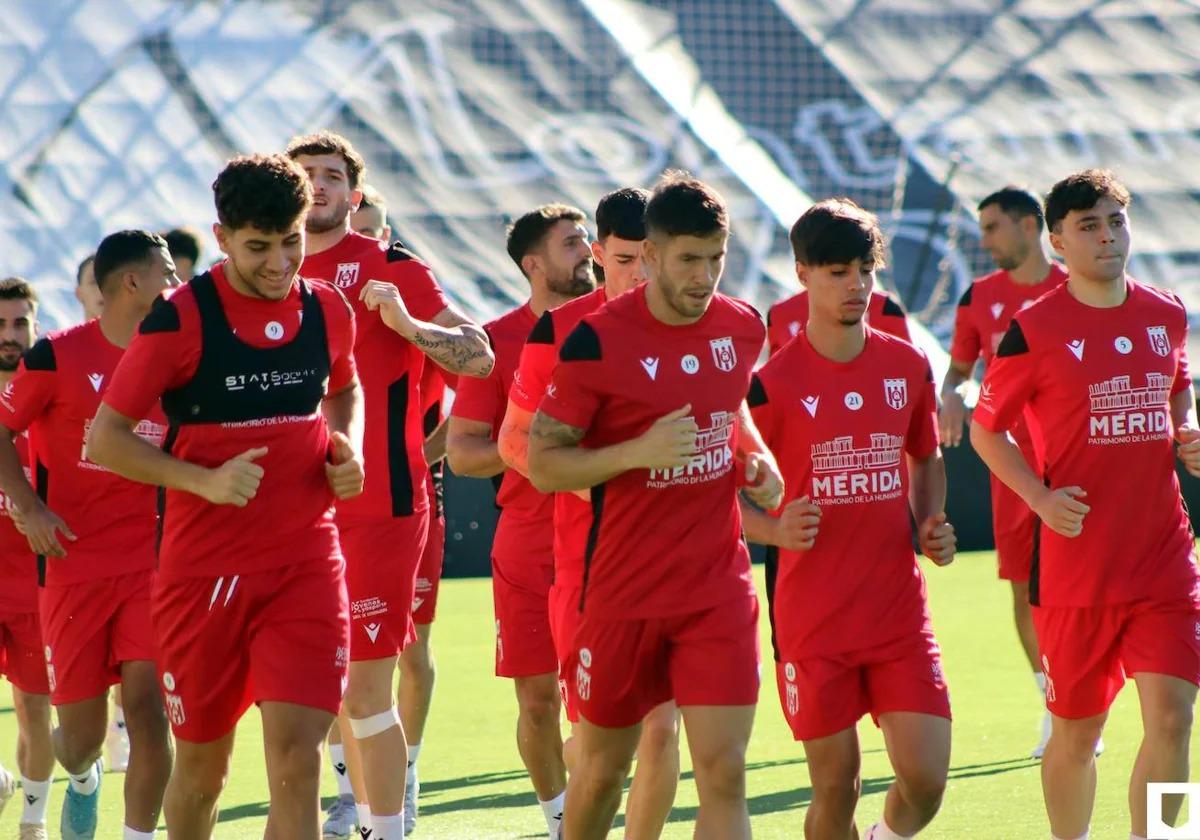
(473, 786)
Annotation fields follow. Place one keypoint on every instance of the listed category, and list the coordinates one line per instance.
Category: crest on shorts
(724, 356)
(895, 392)
(346, 275)
(1159, 342)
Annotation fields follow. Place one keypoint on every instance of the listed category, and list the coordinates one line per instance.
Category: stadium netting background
(119, 113)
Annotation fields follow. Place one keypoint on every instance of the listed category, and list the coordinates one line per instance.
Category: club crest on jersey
(346, 276)
(724, 356)
(895, 391)
(1159, 342)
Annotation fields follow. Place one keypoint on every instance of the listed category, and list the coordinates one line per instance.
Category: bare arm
(927, 486)
(1187, 431)
(470, 449)
(1183, 409)
(344, 413)
(451, 340)
(952, 416)
(764, 484)
(514, 438)
(557, 462)
(39, 524)
(435, 445)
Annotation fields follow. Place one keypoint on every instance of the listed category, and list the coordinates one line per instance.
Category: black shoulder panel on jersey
(1013, 343)
(41, 356)
(582, 345)
(543, 330)
(891, 306)
(965, 300)
(396, 252)
(757, 394)
(163, 317)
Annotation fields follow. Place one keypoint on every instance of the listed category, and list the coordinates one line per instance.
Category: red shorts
(22, 659)
(521, 596)
(429, 572)
(618, 670)
(1087, 651)
(279, 635)
(89, 629)
(381, 574)
(1014, 527)
(564, 621)
(823, 695)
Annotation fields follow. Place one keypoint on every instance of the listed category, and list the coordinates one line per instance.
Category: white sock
(35, 796)
(554, 813)
(1136, 837)
(1083, 836)
(387, 828)
(86, 783)
(134, 834)
(364, 817)
(1040, 679)
(881, 831)
(414, 750)
(337, 758)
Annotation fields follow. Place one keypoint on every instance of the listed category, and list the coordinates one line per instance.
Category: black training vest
(235, 382)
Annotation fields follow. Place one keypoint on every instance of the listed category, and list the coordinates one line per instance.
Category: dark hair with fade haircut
(184, 242)
(124, 248)
(681, 205)
(1015, 202)
(1082, 191)
(837, 231)
(529, 231)
(330, 143)
(269, 192)
(83, 263)
(371, 197)
(18, 288)
(622, 213)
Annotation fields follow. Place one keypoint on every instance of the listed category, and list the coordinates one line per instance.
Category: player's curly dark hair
(1082, 191)
(269, 192)
(837, 231)
(681, 205)
(330, 143)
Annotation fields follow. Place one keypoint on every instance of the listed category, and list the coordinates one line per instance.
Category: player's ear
(1056, 242)
(802, 273)
(219, 232)
(529, 264)
(597, 252)
(387, 233)
(650, 253)
(355, 200)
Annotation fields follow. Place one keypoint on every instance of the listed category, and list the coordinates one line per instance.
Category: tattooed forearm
(462, 349)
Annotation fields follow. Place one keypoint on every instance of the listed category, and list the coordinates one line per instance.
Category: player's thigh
(291, 730)
(717, 735)
(84, 722)
(369, 687)
(203, 766)
(918, 746)
(834, 761)
(32, 710)
(605, 751)
(1167, 703)
(139, 686)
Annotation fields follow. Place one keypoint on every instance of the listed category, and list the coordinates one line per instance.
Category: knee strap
(373, 725)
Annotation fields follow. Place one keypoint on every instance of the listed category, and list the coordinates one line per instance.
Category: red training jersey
(18, 566)
(663, 541)
(55, 394)
(787, 318)
(526, 526)
(390, 370)
(1098, 383)
(840, 433)
(290, 520)
(572, 514)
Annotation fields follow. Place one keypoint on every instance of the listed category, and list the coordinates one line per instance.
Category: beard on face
(10, 357)
(578, 282)
(324, 219)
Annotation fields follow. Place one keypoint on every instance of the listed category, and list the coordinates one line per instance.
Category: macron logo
(650, 365)
(373, 631)
(997, 310)
(96, 379)
(810, 405)
(1076, 348)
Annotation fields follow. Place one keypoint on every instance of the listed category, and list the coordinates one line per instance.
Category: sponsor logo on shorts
(789, 672)
(583, 682)
(935, 668)
(417, 602)
(585, 657)
(168, 681)
(1050, 695)
(499, 643)
(368, 608)
(175, 711)
(372, 630)
(341, 658)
